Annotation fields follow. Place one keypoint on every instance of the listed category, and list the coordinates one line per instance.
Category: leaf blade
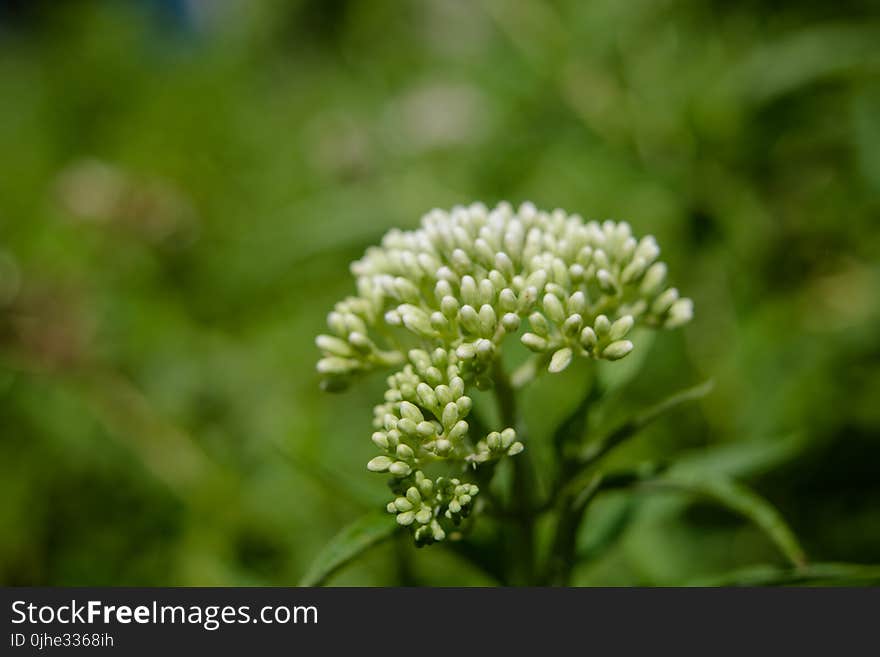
(352, 541)
(592, 452)
(815, 574)
(744, 501)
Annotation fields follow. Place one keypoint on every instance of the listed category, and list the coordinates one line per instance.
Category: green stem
(571, 505)
(574, 501)
(402, 551)
(523, 482)
(571, 513)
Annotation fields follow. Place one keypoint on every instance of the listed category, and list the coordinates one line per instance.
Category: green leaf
(817, 574)
(597, 449)
(349, 544)
(742, 458)
(744, 501)
(605, 525)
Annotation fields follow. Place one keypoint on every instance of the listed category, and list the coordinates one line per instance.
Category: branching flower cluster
(438, 304)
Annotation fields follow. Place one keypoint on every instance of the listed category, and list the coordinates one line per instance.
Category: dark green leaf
(605, 526)
(742, 500)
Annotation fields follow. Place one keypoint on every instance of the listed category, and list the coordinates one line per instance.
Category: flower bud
(488, 320)
(493, 440)
(681, 312)
(617, 350)
(577, 303)
(560, 360)
(407, 427)
(380, 439)
(507, 300)
(438, 322)
(485, 349)
(539, 324)
(379, 464)
(399, 468)
(486, 291)
(504, 264)
(664, 301)
(553, 308)
(534, 342)
(606, 281)
(653, 279)
(419, 323)
(449, 307)
(572, 326)
(458, 431)
(620, 327)
(334, 346)
(336, 365)
(527, 298)
(426, 430)
(450, 414)
(633, 270)
(426, 395)
(444, 394)
(469, 292)
(588, 337)
(411, 412)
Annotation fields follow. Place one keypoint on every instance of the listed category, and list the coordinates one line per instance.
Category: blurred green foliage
(179, 205)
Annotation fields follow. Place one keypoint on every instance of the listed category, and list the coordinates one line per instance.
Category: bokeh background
(183, 185)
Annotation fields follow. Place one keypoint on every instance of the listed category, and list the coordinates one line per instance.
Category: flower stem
(571, 505)
(523, 483)
(571, 513)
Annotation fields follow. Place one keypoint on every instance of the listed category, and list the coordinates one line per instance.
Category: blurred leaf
(817, 574)
(808, 56)
(742, 500)
(741, 458)
(866, 129)
(345, 488)
(349, 544)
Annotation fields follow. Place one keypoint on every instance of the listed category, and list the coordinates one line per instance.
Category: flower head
(439, 303)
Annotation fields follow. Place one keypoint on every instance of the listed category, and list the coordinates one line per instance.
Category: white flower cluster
(442, 299)
(419, 505)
